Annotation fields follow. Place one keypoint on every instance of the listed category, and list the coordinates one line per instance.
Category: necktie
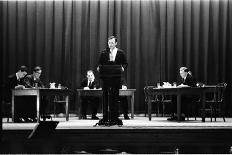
(111, 56)
(90, 84)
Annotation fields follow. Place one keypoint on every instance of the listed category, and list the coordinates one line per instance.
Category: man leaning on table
(16, 81)
(187, 80)
(89, 83)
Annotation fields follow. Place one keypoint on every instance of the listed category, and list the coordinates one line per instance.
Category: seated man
(34, 81)
(89, 83)
(16, 81)
(123, 101)
(187, 80)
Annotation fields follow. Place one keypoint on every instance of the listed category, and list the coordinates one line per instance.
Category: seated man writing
(187, 80)
(89, 83)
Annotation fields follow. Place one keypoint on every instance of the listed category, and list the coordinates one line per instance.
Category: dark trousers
(25, 107)
(186, 103)
(93, 102)
(124, 105)
(44, 105)
(110, 98)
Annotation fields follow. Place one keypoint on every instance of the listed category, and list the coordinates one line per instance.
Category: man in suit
(187, 79)
(34, 81)
(16, 81)
(89, 83)
(112, 56)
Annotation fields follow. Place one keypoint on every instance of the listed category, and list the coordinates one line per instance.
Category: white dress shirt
(113, 54)
(17, 76)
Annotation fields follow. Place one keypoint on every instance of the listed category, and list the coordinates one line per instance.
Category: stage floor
(138, 135)
(138, 122)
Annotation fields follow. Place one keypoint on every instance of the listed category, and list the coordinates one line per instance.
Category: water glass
(174, 84)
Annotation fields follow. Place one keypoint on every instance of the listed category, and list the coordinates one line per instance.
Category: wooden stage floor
(136, 123)
(138, 135)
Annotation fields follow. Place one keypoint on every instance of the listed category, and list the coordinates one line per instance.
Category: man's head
(184, 72)
(112, 42)
(90, 75)
(22, 71)
(37, 72)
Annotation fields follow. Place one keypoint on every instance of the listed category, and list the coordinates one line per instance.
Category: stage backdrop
(65, 38)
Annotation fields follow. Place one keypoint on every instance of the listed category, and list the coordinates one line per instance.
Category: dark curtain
(197, 34)
(65, 38)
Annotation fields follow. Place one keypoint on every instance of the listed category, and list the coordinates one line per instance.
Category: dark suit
(20, 106)
(111, 84)
(12, 81)
(187, 100)
(93, 101)
(189, 80)
(120, 58)
(31, 82)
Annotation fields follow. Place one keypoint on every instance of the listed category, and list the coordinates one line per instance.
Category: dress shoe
(33, 119)
(18, 120)
(26, 119)
(126, 117)
(44, 117)
(30, 119)
(174, 118)
(95, 117)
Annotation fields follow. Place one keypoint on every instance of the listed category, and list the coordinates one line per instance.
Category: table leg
(38, 106)
(178, 107)
(149, 107)
(79, 102)
(203, 107)
(66, 107)
(13, 106)
(132, 105)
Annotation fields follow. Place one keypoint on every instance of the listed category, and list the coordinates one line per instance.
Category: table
(39, 93)
(151, 91)
(98, 92)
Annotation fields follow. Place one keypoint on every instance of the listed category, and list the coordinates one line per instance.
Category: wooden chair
(157, 100)
(165, 100)
(215, 104)
(58, 100)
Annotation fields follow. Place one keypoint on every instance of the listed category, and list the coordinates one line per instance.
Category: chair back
(146, 92)
(219, 92)
(146, 89)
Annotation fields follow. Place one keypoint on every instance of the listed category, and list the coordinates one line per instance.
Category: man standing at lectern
(112, 56)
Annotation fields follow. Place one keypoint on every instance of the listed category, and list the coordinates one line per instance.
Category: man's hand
(20, 87)
(124, 87)
(122, 69)
(98, 68)
(86, 88)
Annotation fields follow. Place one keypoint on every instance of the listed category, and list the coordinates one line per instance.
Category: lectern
(110, 76)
